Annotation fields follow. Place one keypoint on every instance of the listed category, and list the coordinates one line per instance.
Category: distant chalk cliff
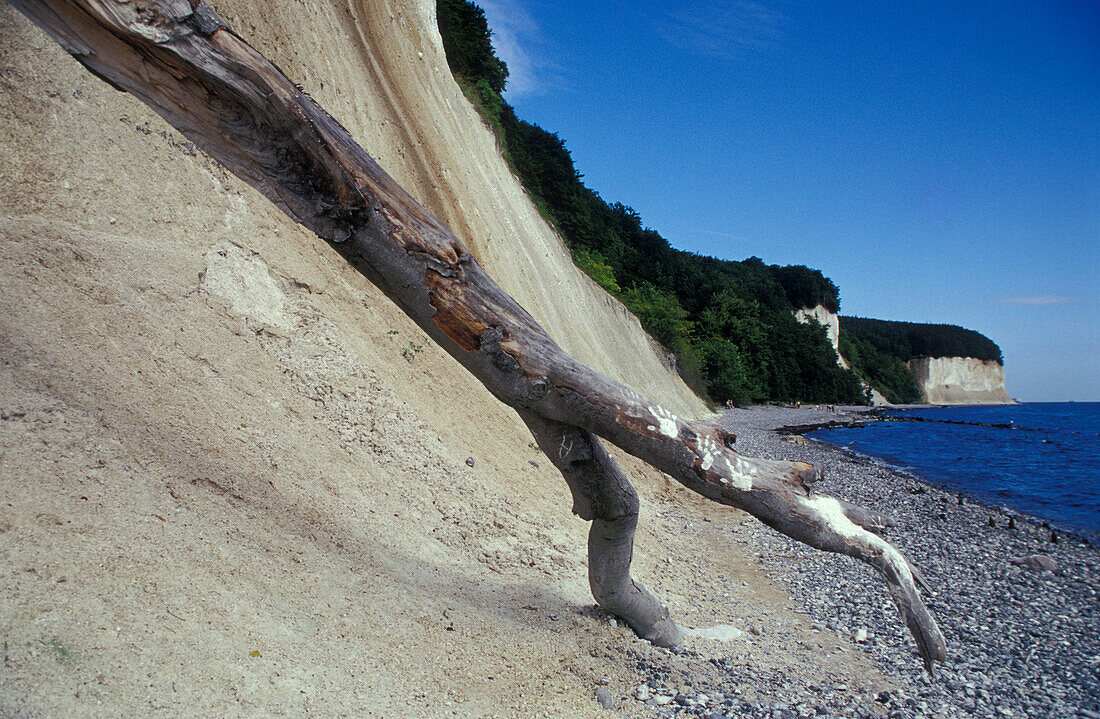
(831, 322)
(960, 380)
(826, 319)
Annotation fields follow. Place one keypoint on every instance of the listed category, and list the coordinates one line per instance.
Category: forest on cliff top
(730, 324)
(881, 349)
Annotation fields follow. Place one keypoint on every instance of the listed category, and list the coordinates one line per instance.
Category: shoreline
(1020, 642)
(862, 416)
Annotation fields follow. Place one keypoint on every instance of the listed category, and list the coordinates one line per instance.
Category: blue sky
(939, 161)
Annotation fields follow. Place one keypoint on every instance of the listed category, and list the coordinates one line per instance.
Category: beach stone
(604, 698)
(643, 693)
(1021, 638)
(1036, 563)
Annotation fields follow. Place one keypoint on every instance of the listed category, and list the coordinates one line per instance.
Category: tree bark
(181, 59)
(603, 495)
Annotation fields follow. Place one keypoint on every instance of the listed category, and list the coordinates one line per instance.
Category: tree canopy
(729, 323)
(469, 44)
(909, 340)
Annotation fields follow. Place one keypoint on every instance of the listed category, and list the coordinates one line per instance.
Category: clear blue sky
(939, 161)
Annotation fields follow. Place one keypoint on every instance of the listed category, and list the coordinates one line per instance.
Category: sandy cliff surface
(381, 70)
(960, 380)
(237, 481)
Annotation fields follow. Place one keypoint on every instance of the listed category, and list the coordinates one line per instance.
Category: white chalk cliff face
(829, 321)
(942, 380)
(960, 380)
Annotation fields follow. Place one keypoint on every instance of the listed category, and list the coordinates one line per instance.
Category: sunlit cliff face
(960, 380)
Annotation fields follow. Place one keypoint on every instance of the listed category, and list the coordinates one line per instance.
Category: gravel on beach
(1023, 641)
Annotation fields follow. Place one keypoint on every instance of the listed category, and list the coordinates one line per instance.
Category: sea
(1040, 458)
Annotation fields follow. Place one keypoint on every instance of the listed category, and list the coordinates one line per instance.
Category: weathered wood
(603, 495)
(181, 59)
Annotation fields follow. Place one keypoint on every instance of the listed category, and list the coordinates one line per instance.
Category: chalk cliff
(831, 323)
(960, 380)
(943, 380)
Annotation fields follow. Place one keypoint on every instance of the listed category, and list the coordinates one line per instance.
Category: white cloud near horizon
(514, 32)
(723, 234)
(722, 29)
(1037, 300)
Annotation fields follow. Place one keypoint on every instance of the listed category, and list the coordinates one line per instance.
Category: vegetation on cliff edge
(729, 324)
(880, 350)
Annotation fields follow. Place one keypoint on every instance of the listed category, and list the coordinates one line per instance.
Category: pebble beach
(1016, 601)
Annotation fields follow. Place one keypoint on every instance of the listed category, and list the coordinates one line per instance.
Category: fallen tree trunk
(181, 59)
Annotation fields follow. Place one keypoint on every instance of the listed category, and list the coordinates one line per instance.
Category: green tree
(468, 42)
(595, 266)
(727, 377)
(660, 314)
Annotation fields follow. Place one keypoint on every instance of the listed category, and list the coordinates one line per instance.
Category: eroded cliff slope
(960, 380)
(237, 481)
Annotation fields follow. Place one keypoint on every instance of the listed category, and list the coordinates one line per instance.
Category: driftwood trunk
(181, 59)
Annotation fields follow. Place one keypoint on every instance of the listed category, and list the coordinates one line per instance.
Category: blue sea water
(1039, 458)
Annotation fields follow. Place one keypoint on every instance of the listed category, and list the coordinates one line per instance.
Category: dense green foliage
(469, 44)
(729, 324)
(886, 373)
(907, 340)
